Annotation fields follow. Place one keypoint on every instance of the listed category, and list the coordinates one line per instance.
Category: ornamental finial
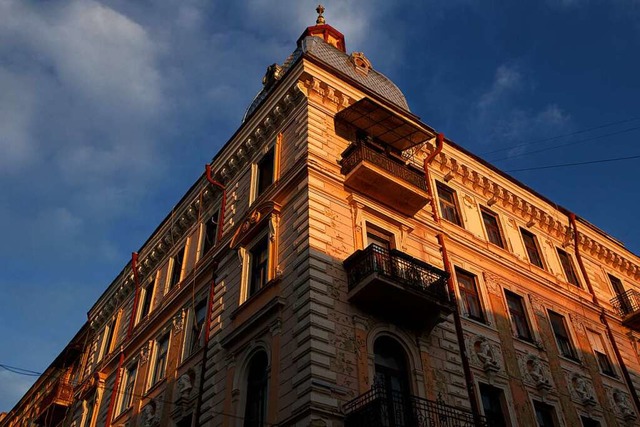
(320, 10)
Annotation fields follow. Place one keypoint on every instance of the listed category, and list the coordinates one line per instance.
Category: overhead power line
(551, 138)
(563, 165)
(20, 371)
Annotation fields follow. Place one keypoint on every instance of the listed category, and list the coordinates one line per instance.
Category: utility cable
(562, 165)
(20, 371)
(602, 126)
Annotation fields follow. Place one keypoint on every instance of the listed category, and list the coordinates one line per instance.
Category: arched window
(255, 414)
(392, 382)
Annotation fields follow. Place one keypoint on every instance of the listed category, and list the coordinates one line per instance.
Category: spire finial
(320, 10)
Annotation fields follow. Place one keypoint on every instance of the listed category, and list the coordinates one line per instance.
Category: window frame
(263, 242)
(188, 348)
(151, 283)
(484, 213)
(125, 383)
(536, 247)
(568, 267)
(452, 205)
(553, 413)
(205, 231)
(566, 345)
(256, 189)
(603, 359)
(172, 279)
(109, 337)
(519, 299)
(154, 378)
(473, 293)
(502, 402)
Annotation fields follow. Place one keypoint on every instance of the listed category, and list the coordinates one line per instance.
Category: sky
(110, 109)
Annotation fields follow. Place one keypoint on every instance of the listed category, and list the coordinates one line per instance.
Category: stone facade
(167, 348)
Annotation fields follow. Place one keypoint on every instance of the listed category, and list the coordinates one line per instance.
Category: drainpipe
(468, 374)
(223, 204)
(207, 322)
(134, 310)
(603, 316)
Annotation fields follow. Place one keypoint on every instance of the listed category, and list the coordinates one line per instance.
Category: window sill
(611, 375)
(484, 323)
(529, 341)
(191, 357)
(155, 387)
(571, 359)
(123, 415)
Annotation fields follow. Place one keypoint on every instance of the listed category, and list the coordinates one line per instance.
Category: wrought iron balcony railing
(398, 267)
(627, 303)
(359, 152)
(380, 407)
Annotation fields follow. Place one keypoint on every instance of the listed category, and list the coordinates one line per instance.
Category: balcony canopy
(384, 124)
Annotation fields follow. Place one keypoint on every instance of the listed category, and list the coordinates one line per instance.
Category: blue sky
(109, 111)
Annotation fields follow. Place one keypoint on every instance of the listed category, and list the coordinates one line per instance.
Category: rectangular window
(623, 301)
(109, 334)
(160, 365)
(176, 269)
(196, 332)
(265, 172)
(518, 316)
(210, 232)
(469, 295)
(448, 204)
(559, 326)
(493, 405)
(545, 414)
(531, 245)
(147, 298)
(259, 265)
(89, 408)
(492, 226)
(600, 352)
(567, 266)
(128, 383)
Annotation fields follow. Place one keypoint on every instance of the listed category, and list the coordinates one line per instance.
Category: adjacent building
(339, 263)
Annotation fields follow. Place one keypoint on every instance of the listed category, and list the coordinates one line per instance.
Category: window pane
(210, 232)
(265, 172)
(493, 228)
(562, 335)
(448, 204)
(147, 300)
(492, 404)
(469, 295)
(197, 328)
(161, 359)
(176, 271)
(518, 316)
(544, 414)
(257, 392)
(259, 265)
(567, 266)
(531, 245)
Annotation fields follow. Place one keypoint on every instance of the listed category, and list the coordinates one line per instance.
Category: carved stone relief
(485, 354)
(581, 388)
(535, 371)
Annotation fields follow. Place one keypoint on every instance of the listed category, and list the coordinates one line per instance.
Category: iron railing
(359, 152)
(626, 303)
(381, 407)
(399, 267)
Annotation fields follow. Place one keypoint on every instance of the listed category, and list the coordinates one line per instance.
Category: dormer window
(360, 62)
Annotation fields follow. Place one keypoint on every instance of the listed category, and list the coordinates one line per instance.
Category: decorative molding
(253, 221)
(178, 321)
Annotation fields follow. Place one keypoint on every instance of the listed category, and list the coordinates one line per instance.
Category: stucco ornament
(537, 373)
(149, 415)
(485, 354)
(582, 389)
(185, 384)
(622, 403)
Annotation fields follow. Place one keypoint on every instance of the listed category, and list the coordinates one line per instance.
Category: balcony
(395, 286)
(384, 178)
(56, 399)
(385, 408)
(628, 307)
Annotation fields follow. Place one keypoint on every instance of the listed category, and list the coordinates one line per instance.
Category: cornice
(605, 255)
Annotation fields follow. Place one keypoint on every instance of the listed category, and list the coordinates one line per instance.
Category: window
(255, 414)
(128, 384)
(561, 333)
(493, 405)
(531, 245)
(601, 354)
(492, 226)
(147, 298)
(186, 421)
(448, 204)
(210, 232)
(89, 405)
(469, 295)
(258, 265)
(160, 365)
(379, 237)
(567, 266)
(264, 177)
(545, 414)
(195, 338)
(589, 422)
(109, 334)
(518, 316)
(176, 269)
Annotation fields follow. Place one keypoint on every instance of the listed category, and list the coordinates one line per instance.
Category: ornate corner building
(340, 263)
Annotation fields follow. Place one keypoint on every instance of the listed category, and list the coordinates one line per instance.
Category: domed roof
(341, 62)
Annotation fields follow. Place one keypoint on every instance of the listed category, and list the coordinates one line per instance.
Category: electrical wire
(20, 371)
(602, 126)
(563, 165)
(564, 145)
